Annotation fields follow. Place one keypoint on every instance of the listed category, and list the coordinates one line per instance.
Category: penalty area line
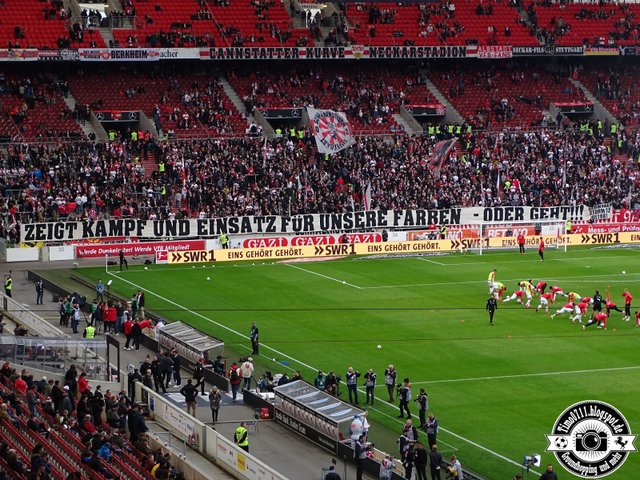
(284, 355)
(323, 276)
(433, 261)
(524, 375)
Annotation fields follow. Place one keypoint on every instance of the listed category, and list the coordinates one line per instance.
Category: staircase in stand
(149, 164)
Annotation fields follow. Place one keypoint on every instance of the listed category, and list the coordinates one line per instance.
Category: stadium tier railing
(30, 320)
(203, 438)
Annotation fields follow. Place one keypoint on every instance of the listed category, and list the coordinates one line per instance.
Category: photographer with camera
(390, 375)
(404, 395)
(351, 379)
(332, 384)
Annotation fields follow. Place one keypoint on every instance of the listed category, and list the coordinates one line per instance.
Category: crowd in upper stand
(287, 176)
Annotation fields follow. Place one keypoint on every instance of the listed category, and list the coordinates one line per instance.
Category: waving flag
(440, 154)
(331, 130)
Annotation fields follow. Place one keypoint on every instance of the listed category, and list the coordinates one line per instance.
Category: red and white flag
(367, 197)
(331, 130)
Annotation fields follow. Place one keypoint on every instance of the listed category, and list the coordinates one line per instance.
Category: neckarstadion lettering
(418, 52)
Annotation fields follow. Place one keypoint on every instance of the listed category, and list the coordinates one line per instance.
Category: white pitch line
(323, 276)
(460, 437)
(523, 375)
(433, 261)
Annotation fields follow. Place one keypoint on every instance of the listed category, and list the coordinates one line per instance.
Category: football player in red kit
(545, 299)
(568, 308)
(600, 319)
(610, 305)
(541, 286)
(521, 243)
(627, 304)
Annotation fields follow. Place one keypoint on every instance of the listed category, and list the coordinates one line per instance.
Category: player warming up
(541, 249)
(580, 310)
(545, 300)
(568, 308)
(627, 304)
(491, 280)
(541, 287)
(600, 318)
(518, 296)
(528, 291)
(573, 297)
(609, 304)
(556, 290)
(492, 306)
(498, 289)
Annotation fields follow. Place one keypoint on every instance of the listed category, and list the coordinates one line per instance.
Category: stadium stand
(167, 23)
(35, 24)
(437, 23)
(257, 23)
(218, 178)
(369, 96)
(186, 23)
(33, 108)
(505, 95)
(187, 105)
(599, 24)
(38, 435)
(616, 88)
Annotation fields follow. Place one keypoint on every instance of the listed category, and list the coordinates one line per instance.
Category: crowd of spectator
(285, 176)
(107, 424)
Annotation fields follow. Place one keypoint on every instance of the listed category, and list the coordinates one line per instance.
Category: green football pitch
(495, 390)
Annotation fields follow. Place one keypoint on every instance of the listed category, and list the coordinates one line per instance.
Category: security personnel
(614, 128)
(301, 134)
(278, 132)
(292, 133)
(8, 284)
(569, 227)
(112, 135)
(89, 332)
(161, 166)
(134, 136)
(443, 232)
(224, 241)
(459, 130)
(241, 437)
(431, 129)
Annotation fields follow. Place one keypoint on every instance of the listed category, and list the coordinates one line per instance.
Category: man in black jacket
(137, 425)
(136, 331)
(156, 370)
(190, 393)
(435, 460)
(198, 375)
(176, 367)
